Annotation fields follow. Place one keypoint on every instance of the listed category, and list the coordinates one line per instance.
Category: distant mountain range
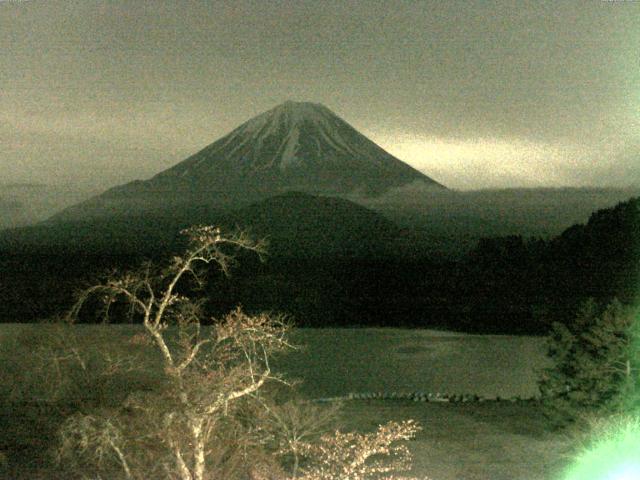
(27, 203)
(296, 146)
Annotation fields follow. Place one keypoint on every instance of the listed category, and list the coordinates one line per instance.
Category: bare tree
(359, 456)
(207, 371)
(293, 425)
(209, 416)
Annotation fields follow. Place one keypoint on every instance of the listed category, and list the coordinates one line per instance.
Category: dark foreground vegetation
(97, 410)
(174, 400)
(334, 263)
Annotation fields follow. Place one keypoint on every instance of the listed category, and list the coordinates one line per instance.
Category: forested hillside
(332, 262)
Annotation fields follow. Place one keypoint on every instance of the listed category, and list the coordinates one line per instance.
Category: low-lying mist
(542, 212)
(27, 204)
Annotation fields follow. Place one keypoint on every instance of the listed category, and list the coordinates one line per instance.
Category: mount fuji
(296, 146)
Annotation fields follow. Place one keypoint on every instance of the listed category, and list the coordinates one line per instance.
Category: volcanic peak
(288, 122)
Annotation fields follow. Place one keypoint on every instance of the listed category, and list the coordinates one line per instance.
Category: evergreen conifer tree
(596, 364)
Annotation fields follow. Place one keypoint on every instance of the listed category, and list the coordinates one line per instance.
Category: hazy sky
(474, 94)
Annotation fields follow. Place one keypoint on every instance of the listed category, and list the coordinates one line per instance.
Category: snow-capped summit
(294, 146)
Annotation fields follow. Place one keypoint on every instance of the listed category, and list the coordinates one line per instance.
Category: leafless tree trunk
(209, 372)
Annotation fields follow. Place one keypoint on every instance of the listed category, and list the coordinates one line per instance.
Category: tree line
(504, 285)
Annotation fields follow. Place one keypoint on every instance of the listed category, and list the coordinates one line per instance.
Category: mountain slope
(26, 204)
(301, 225)
(296, 146)
(295, 224)
(601, 258)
